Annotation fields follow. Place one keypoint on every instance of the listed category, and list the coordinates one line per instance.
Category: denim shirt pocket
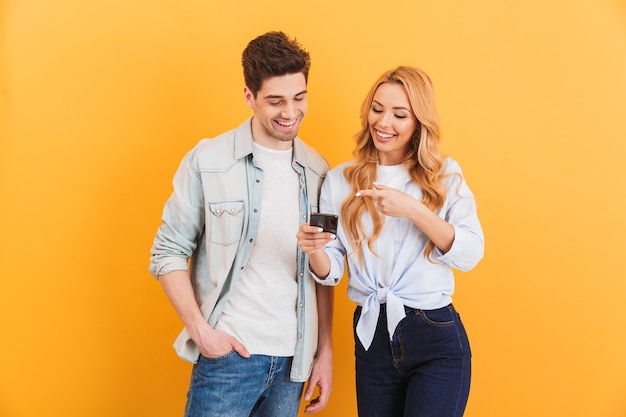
(226, 221)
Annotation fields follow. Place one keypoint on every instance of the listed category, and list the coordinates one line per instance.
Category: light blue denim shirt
(210, 222)
(415, 281)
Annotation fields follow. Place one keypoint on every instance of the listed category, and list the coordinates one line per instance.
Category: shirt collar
(302, 155)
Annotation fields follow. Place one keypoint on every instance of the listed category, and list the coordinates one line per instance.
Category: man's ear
(248, 97)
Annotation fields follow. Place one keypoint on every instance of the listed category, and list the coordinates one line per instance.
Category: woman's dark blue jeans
(424, 371)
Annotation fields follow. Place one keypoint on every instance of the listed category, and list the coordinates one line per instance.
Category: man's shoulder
(213, 152)
(219, 152)
(312, 158)
(223, 140)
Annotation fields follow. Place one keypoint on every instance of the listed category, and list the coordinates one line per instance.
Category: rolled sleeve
(167, 265)
(182, 222)
(466, 251)
(468, 245)
(334, 276)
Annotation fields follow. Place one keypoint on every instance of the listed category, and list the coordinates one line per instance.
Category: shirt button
(299, 336)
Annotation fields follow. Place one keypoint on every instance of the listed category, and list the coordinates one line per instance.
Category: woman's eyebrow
(395, 108)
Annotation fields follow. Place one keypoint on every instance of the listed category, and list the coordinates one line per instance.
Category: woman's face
(392, 123)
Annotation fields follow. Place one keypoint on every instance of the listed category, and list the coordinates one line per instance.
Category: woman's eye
(376, 110)
(400, 116)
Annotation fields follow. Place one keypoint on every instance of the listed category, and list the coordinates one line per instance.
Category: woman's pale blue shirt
(415, 281)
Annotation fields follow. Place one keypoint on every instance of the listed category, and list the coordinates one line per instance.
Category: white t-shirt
(261, 309)
(394, 176)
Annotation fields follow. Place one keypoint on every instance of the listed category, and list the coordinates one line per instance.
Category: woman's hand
(395, 203)
(392, 202)
(312, 238)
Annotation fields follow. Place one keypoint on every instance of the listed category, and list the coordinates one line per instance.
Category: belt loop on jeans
(411, 310)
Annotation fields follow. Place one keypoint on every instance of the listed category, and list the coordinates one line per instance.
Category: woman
(407, 217)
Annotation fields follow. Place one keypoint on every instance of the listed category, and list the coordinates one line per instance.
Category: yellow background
(99, 101)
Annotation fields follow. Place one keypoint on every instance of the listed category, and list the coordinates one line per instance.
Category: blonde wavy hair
(423, 159)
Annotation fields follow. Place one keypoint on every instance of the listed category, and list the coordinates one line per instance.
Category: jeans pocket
(217, 358)
(441, 317)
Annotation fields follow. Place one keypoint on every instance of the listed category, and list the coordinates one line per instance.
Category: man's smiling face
(279, 107)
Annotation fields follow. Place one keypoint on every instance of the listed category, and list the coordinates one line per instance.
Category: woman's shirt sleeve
(331, 197)
(460, 211)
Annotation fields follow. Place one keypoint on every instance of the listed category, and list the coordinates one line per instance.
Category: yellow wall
(100, 100)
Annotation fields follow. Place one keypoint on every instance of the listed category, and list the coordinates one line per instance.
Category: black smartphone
(328, 222)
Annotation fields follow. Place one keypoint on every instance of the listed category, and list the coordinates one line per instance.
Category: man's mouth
(286, 124)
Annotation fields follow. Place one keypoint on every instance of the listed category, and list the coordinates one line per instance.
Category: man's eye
(274, 103)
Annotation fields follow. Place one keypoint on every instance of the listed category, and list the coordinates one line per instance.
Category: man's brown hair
(270, 55)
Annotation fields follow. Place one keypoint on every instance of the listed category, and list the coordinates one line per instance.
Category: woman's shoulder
(335, 178)
(337, 171)
(450, 165)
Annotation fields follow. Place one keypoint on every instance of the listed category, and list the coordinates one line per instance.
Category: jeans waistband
(407, 309)
(418, 311)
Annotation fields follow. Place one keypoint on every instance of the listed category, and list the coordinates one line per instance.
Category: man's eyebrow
(272, 96)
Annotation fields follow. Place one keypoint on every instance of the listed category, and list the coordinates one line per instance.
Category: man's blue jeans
(233, 386)
(424, 371)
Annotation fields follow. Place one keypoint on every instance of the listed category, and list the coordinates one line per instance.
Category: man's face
(279, 107)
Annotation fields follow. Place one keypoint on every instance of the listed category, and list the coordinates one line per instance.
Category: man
(256, 325)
